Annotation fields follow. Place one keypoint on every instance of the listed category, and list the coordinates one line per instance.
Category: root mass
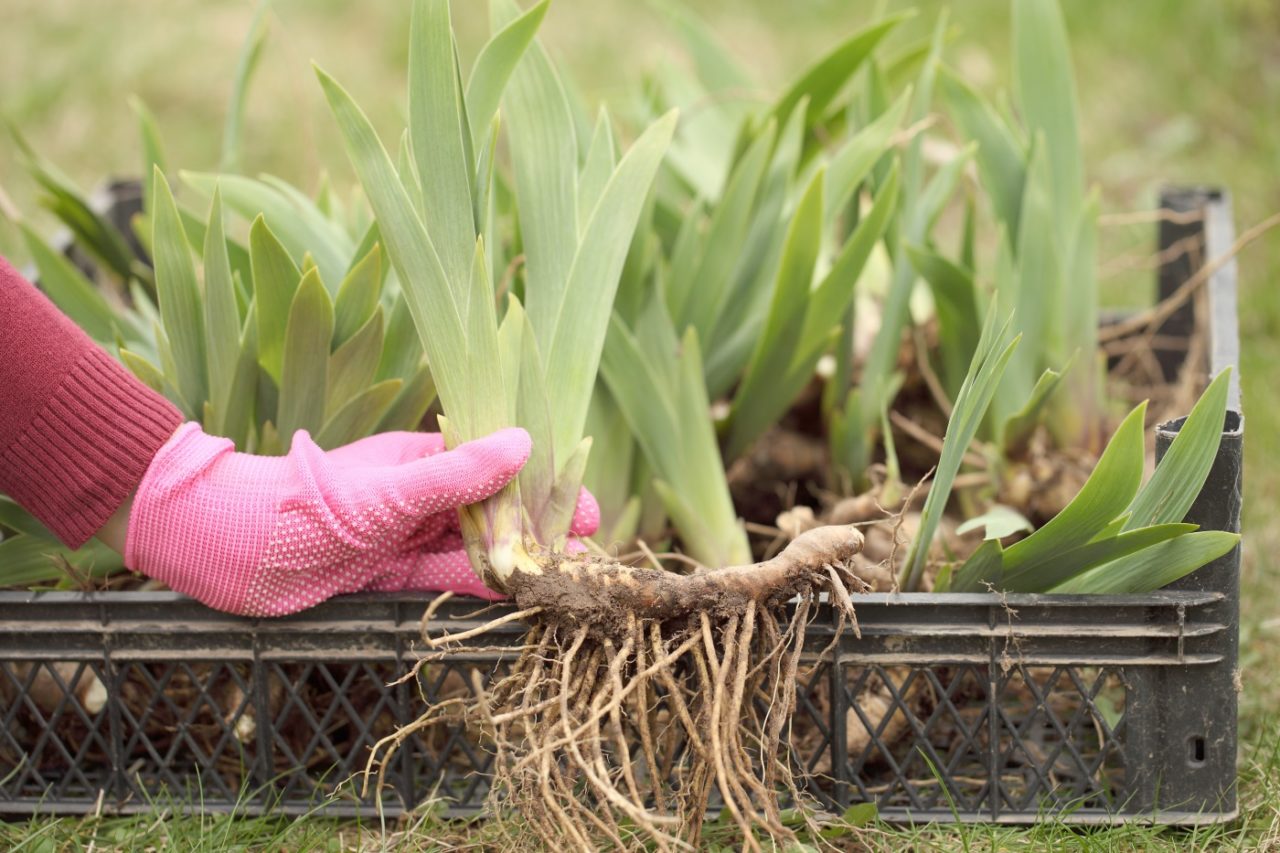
(640, 694)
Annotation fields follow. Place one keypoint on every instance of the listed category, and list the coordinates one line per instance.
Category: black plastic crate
(969, 707)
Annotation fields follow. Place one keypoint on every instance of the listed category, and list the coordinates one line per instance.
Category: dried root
(640, 694)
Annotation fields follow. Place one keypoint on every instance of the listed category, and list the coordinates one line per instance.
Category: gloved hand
(266, 536)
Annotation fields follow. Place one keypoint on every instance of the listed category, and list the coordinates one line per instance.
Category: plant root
(639, 693)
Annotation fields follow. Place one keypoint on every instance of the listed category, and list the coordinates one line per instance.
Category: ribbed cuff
(85, 452)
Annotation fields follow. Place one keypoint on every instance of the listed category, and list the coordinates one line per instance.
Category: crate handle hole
(1195, 751)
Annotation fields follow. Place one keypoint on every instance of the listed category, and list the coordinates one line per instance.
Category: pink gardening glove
(266, 536)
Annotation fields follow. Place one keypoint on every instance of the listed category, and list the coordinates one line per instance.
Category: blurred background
(1169, 92)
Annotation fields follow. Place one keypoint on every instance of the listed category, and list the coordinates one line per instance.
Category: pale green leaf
(1155, 567)
(18, 520)
(1065, 564)
(466, 372)
(359, 416)
(152, 150)
(169, 374)
(304, 376)
(1038, 281)
(851, 163)
(410, 406)
(237, 253)
(358, 296)
(544, 156)
(511, 347)
(237, 412)
(67, 288)
(612, 461)
(146, 372)
(716, 66)
(275, 280)
(597, 168)
(296, 223)
(1177, 480)
(663, 399)
(998, 522)
(582, 317)
(246, 64)
(832, 300)
(741, 308)
(556, 513)
(92, 231)
(696, 300)
(1044, 84)
(401, 348)
(539, 475)
(758, 402)
(1077, 413)
(995, 348)
(981, 571)
(436, 134)
(222, 316)
(1000, 155)
(881, 360)
(353, 365)
(822, 81)
(955, 297)
(494, 65)
(181, 306)
(1018, 429)
(1112, 484)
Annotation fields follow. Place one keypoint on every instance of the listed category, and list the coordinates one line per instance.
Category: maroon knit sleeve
(77, 430)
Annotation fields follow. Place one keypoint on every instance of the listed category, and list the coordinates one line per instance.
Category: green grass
(1177, 92)
(1257, 829)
